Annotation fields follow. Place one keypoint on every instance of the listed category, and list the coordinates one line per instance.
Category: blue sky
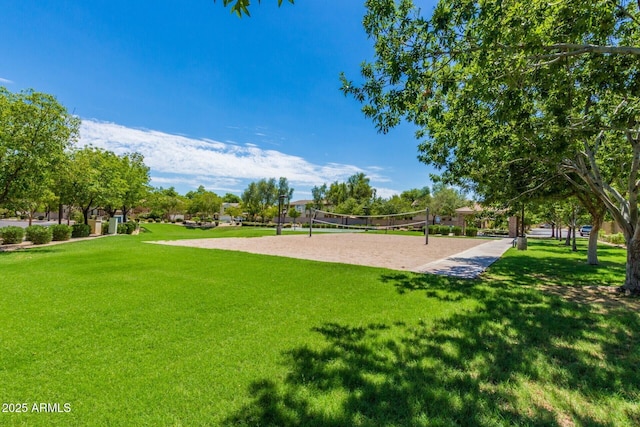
(208, 98)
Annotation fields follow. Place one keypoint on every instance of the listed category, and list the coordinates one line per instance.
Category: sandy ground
(373, 250)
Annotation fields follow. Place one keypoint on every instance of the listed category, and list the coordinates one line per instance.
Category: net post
(426, 228)
(311, 222)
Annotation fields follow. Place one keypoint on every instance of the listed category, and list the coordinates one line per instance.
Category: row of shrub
(123, 228)
(37, 234)
(445, 230)
(494, 232)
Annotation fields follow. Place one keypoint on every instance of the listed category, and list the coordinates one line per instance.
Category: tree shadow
(521, 358)
(28, 250)
(551, 261)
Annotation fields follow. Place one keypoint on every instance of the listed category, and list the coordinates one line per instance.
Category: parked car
(585, 230)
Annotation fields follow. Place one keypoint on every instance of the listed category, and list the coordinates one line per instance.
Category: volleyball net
(346, 222)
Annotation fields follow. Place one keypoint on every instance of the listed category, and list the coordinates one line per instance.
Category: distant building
(223, 208)
(301, 206)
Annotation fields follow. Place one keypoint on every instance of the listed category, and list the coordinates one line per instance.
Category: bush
(38, 234)
(80, 230)
(11, 235)
(457, 231)
(127, 228)
(434, 229)
(179, 220)
(60, 232)
(616, 239)
(77, 217)
(445, 230)
(471, 232)
(40, 217)
(494, 232)
(29, 231)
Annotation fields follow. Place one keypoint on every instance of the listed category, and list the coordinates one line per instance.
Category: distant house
(466, 212)
(223, 208)
(301, 206)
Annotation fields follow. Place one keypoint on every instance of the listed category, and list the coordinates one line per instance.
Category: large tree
(35, 131)
(502, 88)
(133, 177)
(135, 174)
(446, 200)
(203, 203)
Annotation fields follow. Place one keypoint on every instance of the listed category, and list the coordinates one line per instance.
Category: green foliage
(35, 131)
(127, 228)
(80, 230)
(494, 232)
(471, 232)
(456, 230)
(616, 239)
(130, 227)
(165, 203)
(446, 200)
(77, 217)
(39, 234)
(515, 100)
(61, 232)
(261, 197)
(293, 213)
(203, 203)
(241, 7)
(11, 235)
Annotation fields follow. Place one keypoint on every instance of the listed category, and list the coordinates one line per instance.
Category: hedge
(38, 234)
(80, 230)
(11, 235)
(60, 232)
(471, 232)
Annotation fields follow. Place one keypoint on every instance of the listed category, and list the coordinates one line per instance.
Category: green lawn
(128, 333)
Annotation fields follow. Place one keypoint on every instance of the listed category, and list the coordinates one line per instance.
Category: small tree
(293, 214)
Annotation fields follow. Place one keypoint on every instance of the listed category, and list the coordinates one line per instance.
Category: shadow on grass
(522, 357)
(551, 261)
(28, 249)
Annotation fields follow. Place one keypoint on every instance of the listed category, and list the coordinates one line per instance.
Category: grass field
(128, 333)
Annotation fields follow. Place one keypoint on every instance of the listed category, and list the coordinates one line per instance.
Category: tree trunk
(553, 230)
(632, 281)
(592, 252)
(559, 231)
(574, 247)
(567, 241)
(60, 212)
(85, 213)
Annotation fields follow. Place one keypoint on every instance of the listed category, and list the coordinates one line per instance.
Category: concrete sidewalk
(470, 263)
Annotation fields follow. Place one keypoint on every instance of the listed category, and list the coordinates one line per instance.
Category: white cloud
(385, 193)
(7, 81)
(182, 161)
